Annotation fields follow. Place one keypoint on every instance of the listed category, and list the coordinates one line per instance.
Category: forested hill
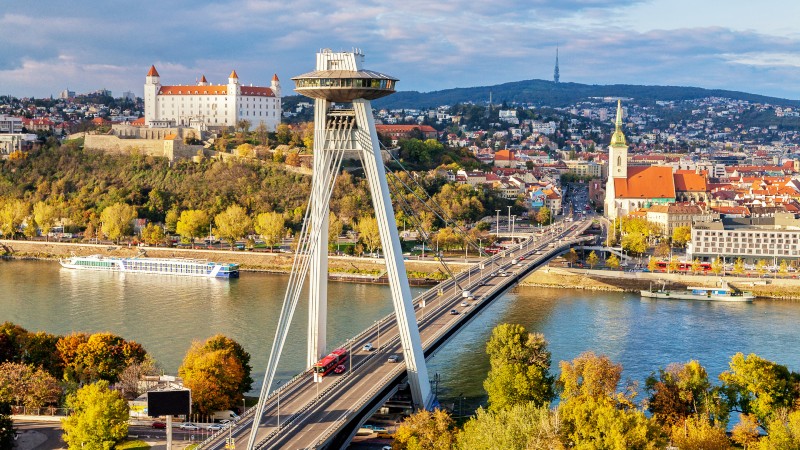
(547, 93)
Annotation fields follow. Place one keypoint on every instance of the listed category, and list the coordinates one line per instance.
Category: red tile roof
(646, 182)
(275, 77)
(152, 72)
(257, 91)
(689, 182)
(193, 90)
(504, 155)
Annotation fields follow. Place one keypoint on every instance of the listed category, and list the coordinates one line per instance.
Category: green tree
(519, 427)
(233, 224)
(218, 373)
(543, 216)
(45, 216)
(756, 386)
(99, 419)
(612, 262)
(635, 243)
(193, 224)
(738, 266)
(117, 220)
(12, 213)
(592, 259)
(7, 432)
(520, 368)
(367, 228)
(283, 134)
(681, 235)
(425, 430)
(171, 220)
(270, 226)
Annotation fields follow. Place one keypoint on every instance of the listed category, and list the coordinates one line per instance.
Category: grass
(133, 445)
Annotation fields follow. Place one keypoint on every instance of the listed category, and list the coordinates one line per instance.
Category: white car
(188, 426)
(215, 427)
(367, 347)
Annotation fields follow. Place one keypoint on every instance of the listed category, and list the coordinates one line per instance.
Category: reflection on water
(165, 314)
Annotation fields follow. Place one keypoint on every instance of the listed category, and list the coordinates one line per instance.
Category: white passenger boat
(164, 266)
(723, 293)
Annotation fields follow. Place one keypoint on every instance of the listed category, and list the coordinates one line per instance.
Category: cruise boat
(723, 293)
(164, 266)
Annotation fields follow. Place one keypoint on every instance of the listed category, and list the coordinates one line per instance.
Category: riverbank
(618, 281)
(340, 268)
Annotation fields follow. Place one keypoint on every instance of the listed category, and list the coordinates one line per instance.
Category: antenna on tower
(556, 75)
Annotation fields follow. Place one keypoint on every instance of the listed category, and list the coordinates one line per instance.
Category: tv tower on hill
(556, 76)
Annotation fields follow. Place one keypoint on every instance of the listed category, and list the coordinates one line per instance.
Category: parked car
(367, 347)
(339, 369)
(159, 424)
(394, 358)
(188, 426)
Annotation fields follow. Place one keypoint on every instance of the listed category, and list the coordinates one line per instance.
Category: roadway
(302, 414)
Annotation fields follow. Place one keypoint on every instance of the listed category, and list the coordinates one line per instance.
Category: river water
(165, 314)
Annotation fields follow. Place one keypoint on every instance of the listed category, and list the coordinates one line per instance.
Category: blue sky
(50, 45)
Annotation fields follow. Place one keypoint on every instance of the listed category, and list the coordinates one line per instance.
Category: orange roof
(138, 122)
(170, 137)
(690, 182)
(233, 74)
(505, 155)
(203, 79)
(152, 72)
(193, 90)
(257, 91)
(275, 77)
(646, 182)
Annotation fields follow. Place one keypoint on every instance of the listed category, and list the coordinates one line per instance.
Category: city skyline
(52, 46)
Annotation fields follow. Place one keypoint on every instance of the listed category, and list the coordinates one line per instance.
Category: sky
(51, 45)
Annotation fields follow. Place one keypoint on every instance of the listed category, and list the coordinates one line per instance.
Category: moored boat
(723, 293)
(164, 266)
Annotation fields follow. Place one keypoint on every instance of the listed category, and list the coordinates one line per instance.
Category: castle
(205, 105)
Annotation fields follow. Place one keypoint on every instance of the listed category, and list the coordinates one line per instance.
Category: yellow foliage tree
(45, 216)
(192, 224)
(218, 373)
(425, 430)
(99, 420)
(270, 226)
(367, 228)
(698, 432)
(117, 220)
(233, 224)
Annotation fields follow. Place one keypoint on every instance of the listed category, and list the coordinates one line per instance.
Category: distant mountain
(547, 93)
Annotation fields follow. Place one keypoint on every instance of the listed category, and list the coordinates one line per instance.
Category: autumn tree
(245, 151)
(12, 213)
(100, 356)
(130, 378)
(592, 259)
(519, 368)
(612, 262)
(270, 226)
(367, 228)
(681, 235)
(335, 227)
(783, 432)
(543, 216)
(761, 266)
(698, 432)
(520, 427)
(717, 266)
(217, 372)
(652, 264)
(116, 220)
(635, 243)
(262, 134)
(153, 234)
(283, 133)
(738, 266)
(674, 265)
(233, 224)
(662, 250)
(696, 266)
(747, 432)
(171, 220)
(293, 159)
(783, 268)
(571, 256)
(29, 386)
(39, 349)
(45, 216)
(425, 430)
(756, 386)
(99, 419)
(192, 224)
(683, 390)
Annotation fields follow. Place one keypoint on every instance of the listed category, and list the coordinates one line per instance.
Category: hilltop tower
(617, 163)
(152, 84)
(556, 76)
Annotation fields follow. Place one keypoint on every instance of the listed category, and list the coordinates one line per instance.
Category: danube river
(165, 314)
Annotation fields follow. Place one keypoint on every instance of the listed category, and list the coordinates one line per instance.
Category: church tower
(617, 163)
(556, 75)
(152, 84)
(233, 98)
(275, 85)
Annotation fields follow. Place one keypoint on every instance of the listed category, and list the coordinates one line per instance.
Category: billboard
(164, 403)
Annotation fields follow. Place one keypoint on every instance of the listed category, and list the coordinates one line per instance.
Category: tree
(746, 432)
(674, 265)
(308, 135)
(756, 386)
(635, 243)
(245, 151)
(783, 268)
(192, 224)
(99, 419)
(270, 227)
(717, 266)
(171, 220)
(683, 390)
(612, 262)
(100, 356)
(117, 220)
(293, 159)
(368, 233)
(153, 234)
(262, 134)
(520, 368)
(217, 372)
(662, 250)
(681, 235)
(652, 264)
(738, 266)
(698, 432)
(233, 224)
(243, 125)
(592, 259)
(7, 432)
(283, 134)
(543, 216)
(335, 228)
(26, 385)
(696, 266)
(130, 377)
(761, 266)
(425, 430)
(782, 433)
(571, 256)
(519, 427)
(45, 216)
(12, 213)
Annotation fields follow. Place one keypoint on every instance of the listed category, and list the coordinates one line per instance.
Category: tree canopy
(99, 419)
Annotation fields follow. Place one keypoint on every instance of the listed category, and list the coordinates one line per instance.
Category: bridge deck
(312, 415)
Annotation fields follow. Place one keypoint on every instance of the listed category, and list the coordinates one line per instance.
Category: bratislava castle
(208, 105)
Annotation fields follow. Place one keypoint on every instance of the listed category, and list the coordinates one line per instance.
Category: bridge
(303, 414)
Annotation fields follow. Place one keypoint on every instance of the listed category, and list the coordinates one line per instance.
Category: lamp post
(497, 225)
(509, 218)
(279, 382)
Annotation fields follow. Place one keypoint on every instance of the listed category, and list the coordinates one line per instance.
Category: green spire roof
(618, 138)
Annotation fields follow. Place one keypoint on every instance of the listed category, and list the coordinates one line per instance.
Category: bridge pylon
(345, 128)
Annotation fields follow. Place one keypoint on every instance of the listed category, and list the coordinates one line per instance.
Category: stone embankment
(607, 280)
(344, 268)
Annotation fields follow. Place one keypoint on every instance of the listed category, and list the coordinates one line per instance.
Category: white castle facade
(205, 105)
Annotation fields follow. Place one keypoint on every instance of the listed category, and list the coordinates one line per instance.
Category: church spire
(556, 75)
(618, 138)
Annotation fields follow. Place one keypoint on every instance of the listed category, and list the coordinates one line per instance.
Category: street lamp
(497, 225)
(509, 218)
(279, 382)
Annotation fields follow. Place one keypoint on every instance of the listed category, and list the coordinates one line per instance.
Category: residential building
(670, 217)
(582, 168)
(751, 240)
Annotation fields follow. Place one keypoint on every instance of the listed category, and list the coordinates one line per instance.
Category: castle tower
(152, 84)
(275, 85)
(617, 163)
(233, 97)
(203, 81)
(556, 76)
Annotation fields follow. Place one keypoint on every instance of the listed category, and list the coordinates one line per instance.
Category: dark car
(453, 312)
(159, 424)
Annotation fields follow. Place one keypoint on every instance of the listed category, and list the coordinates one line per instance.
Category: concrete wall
(172, 149)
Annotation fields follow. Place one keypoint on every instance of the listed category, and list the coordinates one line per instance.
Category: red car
(158, 424)
(339, 369)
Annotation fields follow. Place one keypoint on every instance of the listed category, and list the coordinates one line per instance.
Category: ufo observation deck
(344, 85)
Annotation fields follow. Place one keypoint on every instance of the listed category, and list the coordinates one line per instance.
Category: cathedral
(203, 105)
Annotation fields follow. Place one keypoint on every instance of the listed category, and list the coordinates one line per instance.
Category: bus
(683, 267)
(326, 365)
